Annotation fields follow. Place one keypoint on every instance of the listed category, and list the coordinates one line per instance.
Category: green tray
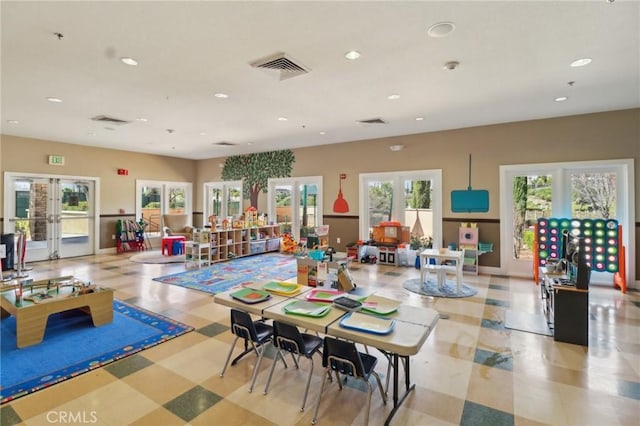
(250, 295)
(307, 309)
(282, 288)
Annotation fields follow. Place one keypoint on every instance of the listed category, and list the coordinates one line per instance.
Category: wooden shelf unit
(244, 241)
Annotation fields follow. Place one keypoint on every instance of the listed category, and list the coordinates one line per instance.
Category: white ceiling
(514, 61)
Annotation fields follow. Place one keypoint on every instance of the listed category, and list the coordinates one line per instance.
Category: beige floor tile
(552, 383)
(158, 383)
(159, 416)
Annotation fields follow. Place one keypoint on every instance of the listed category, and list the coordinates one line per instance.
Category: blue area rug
(430, 288)
(241, 271)
(72, 346)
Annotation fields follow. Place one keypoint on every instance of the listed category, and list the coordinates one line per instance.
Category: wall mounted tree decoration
(256, 169)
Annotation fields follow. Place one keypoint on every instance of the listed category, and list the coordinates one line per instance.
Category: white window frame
(164, 205)
(561, 207)
(224, 185)
(295, 183)
(398, 179)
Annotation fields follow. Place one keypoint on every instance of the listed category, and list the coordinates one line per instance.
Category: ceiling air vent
(111, 120)
(283, 64)
(224, 143)
(373, 121)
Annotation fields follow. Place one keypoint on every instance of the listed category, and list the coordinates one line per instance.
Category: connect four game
(601, 237)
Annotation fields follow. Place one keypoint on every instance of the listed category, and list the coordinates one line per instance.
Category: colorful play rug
(244, 270)
(430, 288)
(72, 346)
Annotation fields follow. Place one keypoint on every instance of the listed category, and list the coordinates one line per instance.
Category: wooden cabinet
(566, 308)
(236, 242)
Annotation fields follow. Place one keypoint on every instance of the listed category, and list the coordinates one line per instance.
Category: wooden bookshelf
(238, 242)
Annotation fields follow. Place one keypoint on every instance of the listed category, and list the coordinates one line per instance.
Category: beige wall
(118, 192)
(601, 136)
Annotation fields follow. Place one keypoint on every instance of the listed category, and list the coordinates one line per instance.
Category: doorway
(55, 213)
(582, 190)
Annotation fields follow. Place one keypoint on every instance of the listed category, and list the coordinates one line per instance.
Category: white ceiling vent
(110, 120)
(281, 63)
(372, 121)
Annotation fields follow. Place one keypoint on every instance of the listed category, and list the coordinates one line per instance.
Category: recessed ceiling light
(203, 133)
(282, 118)
(13, 121)
(57, 100)
(129, 61)
(419, 118)
(323, 133)
(249, 143)
(141, 119)
(581, 62)
(561, 99)
(352, 55)
(221, 95)
(393, 97)
(396, 148)
(441, 29)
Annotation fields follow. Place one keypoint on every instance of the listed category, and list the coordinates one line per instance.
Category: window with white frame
(155, 198)
(413, 198)
(296, 204)
(222, 199)
(584, 189)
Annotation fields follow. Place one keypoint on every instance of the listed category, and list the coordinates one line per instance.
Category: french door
(589, 189)
(155, 198)
(413, 198)
(55, 213)
(222, 199)
(296, 204)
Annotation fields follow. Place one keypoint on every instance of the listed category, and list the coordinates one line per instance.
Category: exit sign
(56, 160)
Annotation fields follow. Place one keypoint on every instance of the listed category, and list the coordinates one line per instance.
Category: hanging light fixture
(340, 205)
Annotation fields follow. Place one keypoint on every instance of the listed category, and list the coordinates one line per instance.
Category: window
(222, 199)
(155, 198)
(590, 189)
(413, 198)
(296, 204)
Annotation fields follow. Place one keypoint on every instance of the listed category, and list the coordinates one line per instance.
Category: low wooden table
(31, 317)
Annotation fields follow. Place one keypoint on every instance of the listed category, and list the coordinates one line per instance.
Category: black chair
(342, 357)
(287, 338)
(256, 333)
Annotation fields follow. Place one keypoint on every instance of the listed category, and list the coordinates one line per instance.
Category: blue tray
(367, 323)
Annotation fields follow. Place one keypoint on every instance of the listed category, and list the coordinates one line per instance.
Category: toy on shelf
(250, 217)
(288, 244)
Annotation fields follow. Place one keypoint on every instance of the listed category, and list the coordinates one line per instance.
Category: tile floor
(471, 371)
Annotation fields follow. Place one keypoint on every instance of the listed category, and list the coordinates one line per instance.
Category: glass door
(412, 198)
(56, 216)
(296, 204)
(155, 198)
(578, 190)
(74, 217)
(222, 199)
